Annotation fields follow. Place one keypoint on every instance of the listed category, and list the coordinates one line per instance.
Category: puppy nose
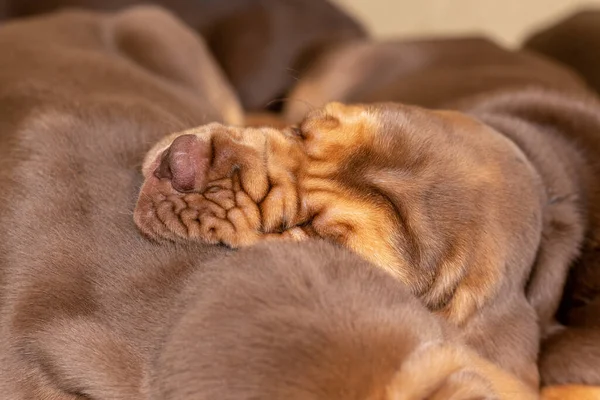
(185, 163)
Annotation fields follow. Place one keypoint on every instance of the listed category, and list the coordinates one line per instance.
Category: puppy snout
(185, 163)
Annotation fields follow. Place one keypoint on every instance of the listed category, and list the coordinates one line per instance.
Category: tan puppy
(391, 182)
(470, 75)
(474, 211)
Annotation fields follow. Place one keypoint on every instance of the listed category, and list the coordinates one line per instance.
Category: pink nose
(185, 163)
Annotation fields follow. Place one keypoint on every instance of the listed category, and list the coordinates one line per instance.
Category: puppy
(479, 212)
(263, 46)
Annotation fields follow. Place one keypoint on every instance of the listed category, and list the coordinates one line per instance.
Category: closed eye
(297, 131)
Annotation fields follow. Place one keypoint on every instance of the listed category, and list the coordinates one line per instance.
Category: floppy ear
(157, 41)
(563, 233)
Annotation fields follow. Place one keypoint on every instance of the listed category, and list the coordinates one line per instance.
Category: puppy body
(569, 41)
(430, 73)
(82, 97)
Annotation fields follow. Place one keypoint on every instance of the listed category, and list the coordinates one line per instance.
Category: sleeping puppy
(479, 212)
(263, 46)
(428, 196)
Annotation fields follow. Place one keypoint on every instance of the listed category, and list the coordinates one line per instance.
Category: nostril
(163, 171)
(184, 162)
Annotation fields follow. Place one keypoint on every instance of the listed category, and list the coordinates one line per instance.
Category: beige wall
(506, 20)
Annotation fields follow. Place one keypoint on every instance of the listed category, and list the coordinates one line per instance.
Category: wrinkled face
(433, 197)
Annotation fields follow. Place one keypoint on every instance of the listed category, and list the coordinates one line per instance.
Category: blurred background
(508, 21)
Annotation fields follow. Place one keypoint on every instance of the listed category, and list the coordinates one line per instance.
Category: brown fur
(374, 179)
(314, 322)
(263, 46)
(572, 42)
(573, 350)
(82, 96)
(480, 213)
(430, 73)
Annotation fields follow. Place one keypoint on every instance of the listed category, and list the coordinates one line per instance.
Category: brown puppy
(474, 211)
(262, 45)
(391, 182)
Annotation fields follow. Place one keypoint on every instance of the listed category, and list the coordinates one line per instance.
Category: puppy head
(435, 198)
(311, 321)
